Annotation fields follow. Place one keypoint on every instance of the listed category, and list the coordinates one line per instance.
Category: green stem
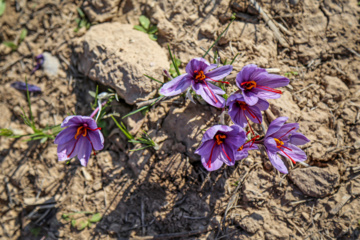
(173, 62)
(29, 103)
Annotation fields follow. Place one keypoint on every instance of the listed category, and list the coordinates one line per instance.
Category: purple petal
(235, 97)
(216, 163)
(196, 64)
(296, 153)
(203, 90)
(212, 131)
(66, 135)
(236, 138)
(205, 148)
(254, 114)
(97, 139)
(298, 139)
(271, 145)
(22, 87)
(271, 80)
(227, 154)
(78, 120)
(220, 73)
(176, 86)
(83, 149)
(277, 162)
(64, 149)
(285, 131)
(250, 98)
(237, 115)
(246, 73)
(239, 155)
(263, 94)
(262, 104)
(276, 125)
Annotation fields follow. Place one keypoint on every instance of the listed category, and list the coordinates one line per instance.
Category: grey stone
(118, 56)
(315, 181)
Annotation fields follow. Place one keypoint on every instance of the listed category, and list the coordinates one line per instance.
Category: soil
(167, 194)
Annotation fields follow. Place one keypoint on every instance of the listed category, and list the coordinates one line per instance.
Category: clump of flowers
(255, 85)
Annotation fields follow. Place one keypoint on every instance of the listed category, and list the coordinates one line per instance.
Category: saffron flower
(22, 87)
(282, 138)
(219, 145)
(256, 83)
(199, 76)
(79, 138)
(240, 111)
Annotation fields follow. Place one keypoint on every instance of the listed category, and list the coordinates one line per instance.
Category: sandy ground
(167, 194)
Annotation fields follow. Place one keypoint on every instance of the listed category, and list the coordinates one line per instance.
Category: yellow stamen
(200, 76)
(219, 139)
(279, 143)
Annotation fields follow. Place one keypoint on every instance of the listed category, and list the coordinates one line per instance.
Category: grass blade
(173, 62)
(232, 19)
(153, 79)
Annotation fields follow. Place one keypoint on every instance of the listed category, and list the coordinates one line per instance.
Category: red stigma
(252, 84)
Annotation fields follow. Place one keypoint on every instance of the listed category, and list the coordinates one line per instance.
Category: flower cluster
(227, 144)
(220, 143)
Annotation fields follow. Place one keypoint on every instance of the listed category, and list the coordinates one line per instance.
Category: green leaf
(95, 218)
(82, 225)
(44, 139)
(73, 223)
(23, 35)
(173, 62)
(153, 79)
(35, 231)
(140, 28)
(81, 13)
(11, 45)
(2, 7)
(232, 61)
(136, 111)
(153, 37)
(6, 132)
(144, 21)
(153, 29)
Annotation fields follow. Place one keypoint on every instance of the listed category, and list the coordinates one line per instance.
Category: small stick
(142, 217)
(352, 51)
(270, 23)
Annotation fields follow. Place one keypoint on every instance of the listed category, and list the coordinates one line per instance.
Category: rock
(190, 121)
(51, 64)
(100, 10)
(252, 223)
(315, 181)
(336, 87)
(121, 59)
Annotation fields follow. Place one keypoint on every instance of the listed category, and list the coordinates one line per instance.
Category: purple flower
(240, 111)
(22, 87)
(243, 151)
(199, 76)
(39, 62)
(219, 145)
(282, 138)
(256, 83)
(80, 137)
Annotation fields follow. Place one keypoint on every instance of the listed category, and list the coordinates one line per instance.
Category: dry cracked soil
(167, 194)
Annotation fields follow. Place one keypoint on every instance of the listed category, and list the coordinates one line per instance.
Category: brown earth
(167, 194)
